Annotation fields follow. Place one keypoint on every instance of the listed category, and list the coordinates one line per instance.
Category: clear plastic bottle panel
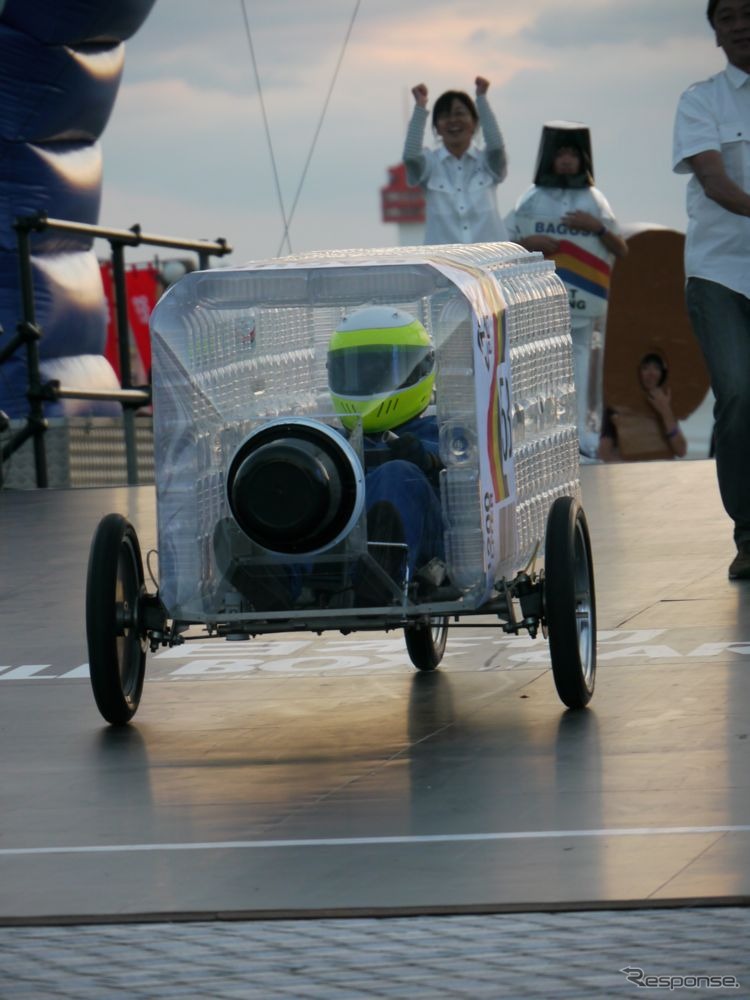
(239, 350)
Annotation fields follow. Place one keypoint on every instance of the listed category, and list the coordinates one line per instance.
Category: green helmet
(381, 368)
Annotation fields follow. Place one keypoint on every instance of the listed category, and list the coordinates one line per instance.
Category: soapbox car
(363, 440)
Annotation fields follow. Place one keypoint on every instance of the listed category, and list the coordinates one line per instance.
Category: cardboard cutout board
(647, 314)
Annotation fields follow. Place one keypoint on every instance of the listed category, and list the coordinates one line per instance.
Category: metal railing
(29, 333)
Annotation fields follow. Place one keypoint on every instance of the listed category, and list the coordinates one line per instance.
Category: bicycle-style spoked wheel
(570, 603)
(425, 642)
(117, 645)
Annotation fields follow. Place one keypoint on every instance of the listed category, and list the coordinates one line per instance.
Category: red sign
(142, 289)
(401, 202)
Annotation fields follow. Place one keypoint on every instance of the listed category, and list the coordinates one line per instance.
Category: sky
(187, 153)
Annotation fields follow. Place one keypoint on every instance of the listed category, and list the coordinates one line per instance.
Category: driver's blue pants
(411, 493)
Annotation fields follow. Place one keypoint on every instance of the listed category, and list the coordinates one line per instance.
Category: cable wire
(286, 221)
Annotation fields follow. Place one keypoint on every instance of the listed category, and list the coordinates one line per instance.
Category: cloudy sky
(186, 151)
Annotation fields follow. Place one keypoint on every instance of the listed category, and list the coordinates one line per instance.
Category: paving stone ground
(686, 952)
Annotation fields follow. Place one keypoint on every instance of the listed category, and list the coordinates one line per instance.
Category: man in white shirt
(712, 143)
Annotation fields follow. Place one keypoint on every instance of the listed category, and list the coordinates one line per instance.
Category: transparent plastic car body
(264, 515)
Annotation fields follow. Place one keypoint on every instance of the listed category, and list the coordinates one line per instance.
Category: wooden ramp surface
(305, 775)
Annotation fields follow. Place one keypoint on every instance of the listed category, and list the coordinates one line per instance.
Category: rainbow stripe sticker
(581, 269)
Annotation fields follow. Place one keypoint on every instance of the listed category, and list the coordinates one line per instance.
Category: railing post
(204, 255)
(27, 328)
(29, 333)
(123, 348)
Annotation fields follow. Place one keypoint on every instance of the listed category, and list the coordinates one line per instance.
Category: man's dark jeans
(720, 319)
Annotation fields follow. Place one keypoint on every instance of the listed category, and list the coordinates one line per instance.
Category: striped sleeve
(494, 145)
(413, 156)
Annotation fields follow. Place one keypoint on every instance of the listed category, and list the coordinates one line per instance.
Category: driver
(381, 371)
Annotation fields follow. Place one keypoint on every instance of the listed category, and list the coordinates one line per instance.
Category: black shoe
(739, 568)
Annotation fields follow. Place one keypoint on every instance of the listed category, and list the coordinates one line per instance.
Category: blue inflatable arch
(60, 67)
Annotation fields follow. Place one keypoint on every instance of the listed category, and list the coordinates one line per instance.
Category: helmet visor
(378, 368)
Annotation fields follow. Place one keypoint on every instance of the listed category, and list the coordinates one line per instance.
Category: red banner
(142, 289)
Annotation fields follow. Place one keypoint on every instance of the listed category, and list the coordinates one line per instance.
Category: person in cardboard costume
(565, 217)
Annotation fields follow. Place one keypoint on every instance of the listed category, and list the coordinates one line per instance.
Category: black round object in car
(294, 487)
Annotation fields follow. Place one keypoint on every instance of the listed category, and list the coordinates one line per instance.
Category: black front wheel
(117, 645)
(569, 602)
(425, 642)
